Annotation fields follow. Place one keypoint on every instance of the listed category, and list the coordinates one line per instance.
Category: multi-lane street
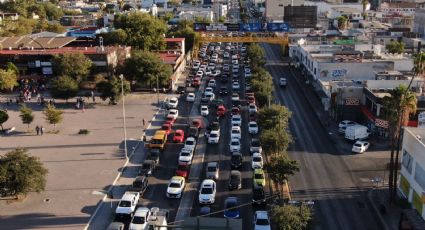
(324, 176)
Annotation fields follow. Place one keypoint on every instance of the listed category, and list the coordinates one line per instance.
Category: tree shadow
(42, 220)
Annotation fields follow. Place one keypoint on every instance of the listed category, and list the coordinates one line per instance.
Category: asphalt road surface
(324, 176)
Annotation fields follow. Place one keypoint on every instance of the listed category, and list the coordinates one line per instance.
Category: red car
(221, 111)
(251, 99)
(182, 170)
(196, 81)
(197, 123)
(170, 120)
(178, 136)
(253, 117)
(167, 128)
(236, 111)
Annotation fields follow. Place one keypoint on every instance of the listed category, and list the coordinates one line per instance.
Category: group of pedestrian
(39, 130)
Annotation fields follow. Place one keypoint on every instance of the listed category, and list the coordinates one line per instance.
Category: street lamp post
(157, 89)
(123, 116)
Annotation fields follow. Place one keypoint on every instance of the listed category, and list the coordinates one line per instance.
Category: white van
(356, 132)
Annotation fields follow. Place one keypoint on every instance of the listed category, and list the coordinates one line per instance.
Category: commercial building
(419, 25)
(275, 8)
(300, 16)
(411, 185)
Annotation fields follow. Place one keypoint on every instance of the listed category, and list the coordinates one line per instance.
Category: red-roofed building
(39, 62)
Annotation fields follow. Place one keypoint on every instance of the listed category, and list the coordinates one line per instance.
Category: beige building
(275, 8)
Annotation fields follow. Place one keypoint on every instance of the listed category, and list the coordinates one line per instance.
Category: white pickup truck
(283, 82)
(127, 204)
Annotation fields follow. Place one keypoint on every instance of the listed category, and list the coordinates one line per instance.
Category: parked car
(212, 170)
(140, 184)
(360, 146)
(235, 145)
(255, 146)
(258, 195)
(207, 192)
(236, 160)
(140, 219)
(259, 177)
(190, 143)
(172, 103)
(147, 168)
(235, 132)
(231, 208)
(283, 82)
(261, 220)
(178, 136)
(344, 124)
(236, 120)
(214, 137)
(190, 97)
(182, 170)
(186, 155)
(252, 108)
(235, 181)
(174, 113)
(204, 110)
(175, 187)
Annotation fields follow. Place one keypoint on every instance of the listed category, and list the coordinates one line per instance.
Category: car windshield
(213, 135)
(174, 185)
(189, 142)
(211, 169)
(182, 167)
(125, 203)
(258, 176)
(262, 222)
(230, 204)
(207, 191)
(252, 125)
(174, 100)
(256, 159)
(235, 131)
(235, 143)
(138, 220)
(357, 145)
(184, 154)
(255, 144)
(236, 118)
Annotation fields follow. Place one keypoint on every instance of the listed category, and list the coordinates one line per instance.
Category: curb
(375, 212)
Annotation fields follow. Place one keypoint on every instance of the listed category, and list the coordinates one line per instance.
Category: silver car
(212, 170)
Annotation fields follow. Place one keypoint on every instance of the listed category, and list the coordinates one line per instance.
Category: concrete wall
(360, 71)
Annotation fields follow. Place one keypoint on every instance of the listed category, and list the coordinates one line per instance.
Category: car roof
(141, 210)
(252, 122)
(236, 153)
(258, 171)
(231, 199)
(212, 164)
(262, 214)
(236, 116)
(257, 155)
(176, 179)
(207, 182)
(236, 127)
(190, 139)
(128, 196)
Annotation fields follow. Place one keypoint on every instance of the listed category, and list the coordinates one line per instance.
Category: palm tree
(399, 106)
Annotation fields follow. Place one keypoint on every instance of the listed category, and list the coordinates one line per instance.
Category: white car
(252, 108)
(235, 97)
(226, 54)
(140, 219)
(235, 133)
(283, 82)
(252, 127)
(172, 103)
(190, 97)
(204, 110)
(207, 192)
(186, 155)
(190, 143)
(261, 221)
(208, 91)
(235, 85)
(360, 146)
(247, 75)
(211, 66)
(212, 83)
(214, 137)
(344, 124)
(235, 145)
(236, 120)
(174, 113)
(210, 97)
(257, 161)
(127, 204)
(203, 68)
(175, 187)
(200, 73)
(215, 73)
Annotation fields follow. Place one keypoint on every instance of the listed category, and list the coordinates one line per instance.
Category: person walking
(41, 130)
(143, 122)
(93, 97)
(37, 129)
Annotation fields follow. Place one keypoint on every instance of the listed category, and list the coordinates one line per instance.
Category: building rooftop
(27, 41)
(84, 50)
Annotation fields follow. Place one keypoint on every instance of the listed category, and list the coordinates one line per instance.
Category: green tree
(64, 87)
(280, 168)
(262, 85)
(188, 33)
(342, 22)
(290, 217)
(52, 115)
(274, 116)
(275, 141)
(111, 89)
(8, 79)
(75, 65)
(22, 26)
(12, 67)
(3, 118)
(52, 11)
(21, 173)
(143, 30)
(146, 68)
(221, 19)
(168, 16)
(116, 37)
(256, 54)
(26, 115)
(395, 47)
(364, 5)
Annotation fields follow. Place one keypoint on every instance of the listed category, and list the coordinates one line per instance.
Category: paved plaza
(81, 167)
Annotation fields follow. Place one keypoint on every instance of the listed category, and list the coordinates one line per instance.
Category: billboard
(232, 26)
(250, 27)
(281, 27)
(200, 26)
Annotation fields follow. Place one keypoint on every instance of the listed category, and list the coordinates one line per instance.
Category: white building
(412, 174)
(275, 8)
(206, 14)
